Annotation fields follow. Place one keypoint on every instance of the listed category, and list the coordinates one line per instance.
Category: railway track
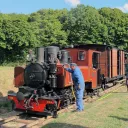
(22, 120)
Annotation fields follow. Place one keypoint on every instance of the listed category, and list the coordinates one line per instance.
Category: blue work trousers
(79, 99)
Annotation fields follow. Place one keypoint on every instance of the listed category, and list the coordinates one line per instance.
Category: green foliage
(80, 25)
(84, 25)
(48, 26)
(16, 34)
(6, 105)
(116, 23)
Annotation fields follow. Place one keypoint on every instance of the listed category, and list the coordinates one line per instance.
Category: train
(44, 87)
(112, 61)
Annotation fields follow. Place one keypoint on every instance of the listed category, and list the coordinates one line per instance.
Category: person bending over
(79, 84)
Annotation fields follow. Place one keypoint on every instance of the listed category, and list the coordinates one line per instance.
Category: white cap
(73, 64)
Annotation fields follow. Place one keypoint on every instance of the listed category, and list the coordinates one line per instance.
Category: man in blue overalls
(79, 85)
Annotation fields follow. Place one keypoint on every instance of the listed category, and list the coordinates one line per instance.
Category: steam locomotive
(45, 87)
(38, 88)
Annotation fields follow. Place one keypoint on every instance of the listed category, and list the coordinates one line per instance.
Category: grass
(6, 80)
(109, 112)
(5, 106)
(12, 64)
(6, 85)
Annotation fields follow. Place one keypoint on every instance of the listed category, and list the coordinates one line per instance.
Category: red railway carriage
(44, 86)
(112, 61)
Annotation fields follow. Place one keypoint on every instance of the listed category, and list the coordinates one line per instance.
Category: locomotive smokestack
(51, 50)
(40, 54)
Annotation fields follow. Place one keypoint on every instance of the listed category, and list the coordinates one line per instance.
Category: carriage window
(81, 55)
(95, 60)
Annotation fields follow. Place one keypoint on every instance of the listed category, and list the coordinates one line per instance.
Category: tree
(48, 26)
(84, 25)
(116, 22)
(17, 36)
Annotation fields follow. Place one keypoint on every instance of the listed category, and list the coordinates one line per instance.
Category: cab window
(81, 55)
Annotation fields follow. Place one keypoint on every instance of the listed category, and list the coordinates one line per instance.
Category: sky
(29, 6)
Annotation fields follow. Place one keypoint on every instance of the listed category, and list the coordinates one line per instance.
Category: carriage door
(96, 66)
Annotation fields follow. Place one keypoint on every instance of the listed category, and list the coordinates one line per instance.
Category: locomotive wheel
(114, 83)
(54, 114)
(103, 87)
(98, 93)
(85, 94)
(91, 95)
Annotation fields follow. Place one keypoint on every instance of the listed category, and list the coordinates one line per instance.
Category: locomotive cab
(89, 63)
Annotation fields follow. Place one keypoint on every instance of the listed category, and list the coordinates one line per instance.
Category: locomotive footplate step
(13, 124)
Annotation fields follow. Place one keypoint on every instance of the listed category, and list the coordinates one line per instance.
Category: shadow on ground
(62, 125)
(120, 92)
(119, 118)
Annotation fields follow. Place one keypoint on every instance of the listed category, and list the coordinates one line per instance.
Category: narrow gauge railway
(23, 120)
(44, 87)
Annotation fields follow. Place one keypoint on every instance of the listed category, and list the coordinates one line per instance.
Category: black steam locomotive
(39, 92)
